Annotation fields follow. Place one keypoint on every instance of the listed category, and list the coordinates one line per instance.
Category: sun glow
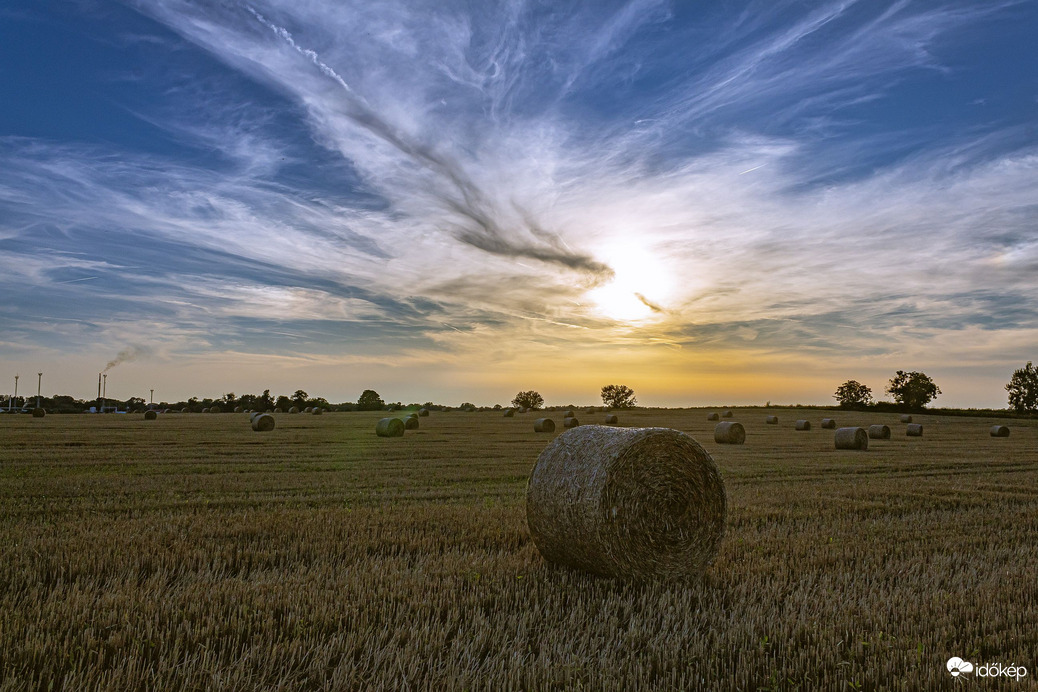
(639, 288)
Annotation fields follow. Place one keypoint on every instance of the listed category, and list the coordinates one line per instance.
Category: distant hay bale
(1000, 431)
(317, 411)
(729, 433)
(411, 423)
(389, 427)
(568, 414)
(726, 414)
(829, 424)
(589, 411)
(264, 422)
(544, 425)
(914, 430)
(802, 425)
(633, 503)
(237, 409)
(214, 409)
(205, 410)
(39, 413)
(310, 409)
(570, 422)
(509, 413)
(852, 438)
(294, 409)
(879, 432)
(413, 414)
(167, 410)
(150, 415)
(611, 419)
(423, 412)
(524, 410)
(771, 420)
(713, 417)
(906, 418)
(184, 410)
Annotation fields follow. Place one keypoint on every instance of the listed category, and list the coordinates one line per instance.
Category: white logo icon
(956, 666)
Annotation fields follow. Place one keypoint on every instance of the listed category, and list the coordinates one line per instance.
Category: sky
(725, 202)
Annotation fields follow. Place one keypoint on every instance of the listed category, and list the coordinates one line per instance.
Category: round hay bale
(727, 414)
(568, 414)
(914, 429)
(879, 432)
(150, 415)
(852, 438)
(184, 410)
(294, 409)
(238, 409)
(411, 423)
(205, 410)
(423, 412)
(264, 422)
(390, 427)
(802, 425)
(413, 414)
(215, 409)
(509, 413)
(713, 417)
(829, 424)
(544, 425)
(634, 503)
(317, 411)
(570, 422)
(729, 433)
(167, 410)
(771, 420)
(309, 409)
(1000, 431)
(611, 419)
(905, 418)
(39, 413)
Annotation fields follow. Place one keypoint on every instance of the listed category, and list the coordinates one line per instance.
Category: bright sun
(640, 280)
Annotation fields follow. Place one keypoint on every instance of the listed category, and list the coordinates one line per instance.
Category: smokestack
(99, 392)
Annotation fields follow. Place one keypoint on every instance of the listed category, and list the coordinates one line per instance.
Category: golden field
(193, 553)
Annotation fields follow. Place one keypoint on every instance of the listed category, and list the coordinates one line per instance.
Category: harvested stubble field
(191, 552)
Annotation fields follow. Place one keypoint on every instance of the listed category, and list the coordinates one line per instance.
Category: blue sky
(711, 202)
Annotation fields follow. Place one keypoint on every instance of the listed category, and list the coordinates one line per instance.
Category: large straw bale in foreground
(852, 438)
(729, 433)
(264, 422)
(999, 431)
(633, 503)
(389, 427)
(879, 432)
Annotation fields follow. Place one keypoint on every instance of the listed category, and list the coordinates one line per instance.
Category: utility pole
(39, 385)
(153, 397)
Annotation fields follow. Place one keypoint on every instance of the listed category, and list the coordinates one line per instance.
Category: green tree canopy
(912, 389)
(853, 393)
(530, 399)
(370, 401)
(618, 396)
(1023, 389)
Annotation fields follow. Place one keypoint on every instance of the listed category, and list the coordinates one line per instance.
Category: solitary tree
(1023, 389)
(370, 401)
(853, 393)
(530, 399)
(912, 389)
(618, 396)
(299, 398)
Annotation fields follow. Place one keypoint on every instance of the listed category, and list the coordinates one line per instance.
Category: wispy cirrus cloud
(437, 180)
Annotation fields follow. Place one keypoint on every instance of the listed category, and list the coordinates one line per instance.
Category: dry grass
(191, 553)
